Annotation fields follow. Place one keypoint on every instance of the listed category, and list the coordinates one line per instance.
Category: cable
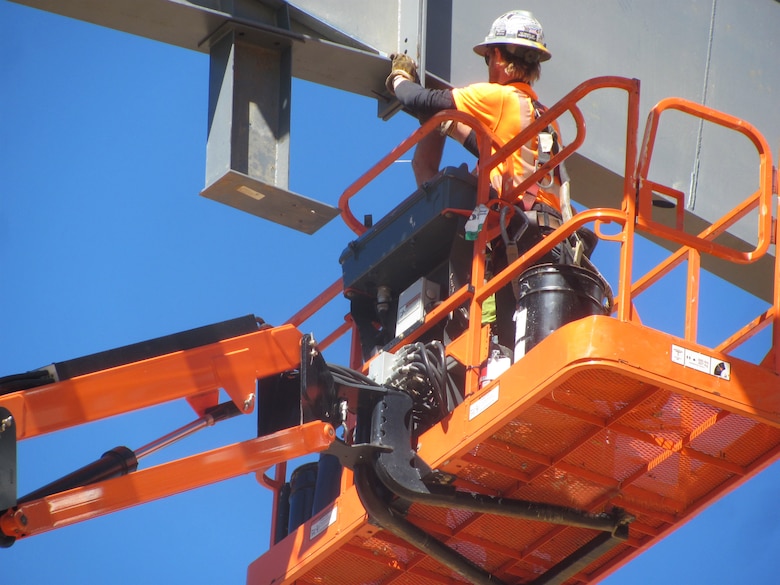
(421, 372)
(346, 377)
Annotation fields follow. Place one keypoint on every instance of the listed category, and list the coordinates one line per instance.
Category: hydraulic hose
(381, 514)
(398, 471)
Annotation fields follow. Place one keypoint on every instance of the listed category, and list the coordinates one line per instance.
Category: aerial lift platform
(601, 437)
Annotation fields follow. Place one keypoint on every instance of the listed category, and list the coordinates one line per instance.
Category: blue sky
(104, 241)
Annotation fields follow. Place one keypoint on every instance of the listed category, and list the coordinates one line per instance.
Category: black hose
(381, 514)
(441, 376)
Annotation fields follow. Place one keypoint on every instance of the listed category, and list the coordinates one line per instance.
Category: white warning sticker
(483, 403)
(701, 362)
(521, 330)
(321, 525)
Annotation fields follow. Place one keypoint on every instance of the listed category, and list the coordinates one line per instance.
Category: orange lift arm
(194, 372)
(62, 508)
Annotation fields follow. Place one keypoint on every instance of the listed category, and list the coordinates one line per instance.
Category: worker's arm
(427, 157)
(424, 103)
(463, 134)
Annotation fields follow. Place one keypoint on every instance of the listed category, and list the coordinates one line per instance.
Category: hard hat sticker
(701, 362)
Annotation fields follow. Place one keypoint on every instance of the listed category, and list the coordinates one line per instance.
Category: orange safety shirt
(506, 110)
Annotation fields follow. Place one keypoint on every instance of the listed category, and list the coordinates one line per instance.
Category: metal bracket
(8, 488)
(248, 145)
(398, 466)
(7, 459)
(351, 456)
(318, 391)
(269, 201)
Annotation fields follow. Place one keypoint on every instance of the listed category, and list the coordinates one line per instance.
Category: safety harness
(574, 250)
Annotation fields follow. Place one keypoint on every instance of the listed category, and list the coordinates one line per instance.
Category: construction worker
(513, 51)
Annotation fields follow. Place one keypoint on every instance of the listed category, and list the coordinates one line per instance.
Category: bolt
(249, 401)
(312, 347)
(18, 523)
(6, 423)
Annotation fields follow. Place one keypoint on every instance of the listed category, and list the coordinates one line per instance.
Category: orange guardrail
(633, 217)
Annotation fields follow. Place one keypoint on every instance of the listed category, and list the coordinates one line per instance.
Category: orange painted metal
(167, 479)
(774, 359)
(318, 303)
(763, 203)
(485, 138)
(314, 542)
(692, 295)
(233, 364)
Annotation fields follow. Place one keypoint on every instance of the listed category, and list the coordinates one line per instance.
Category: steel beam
(248, 145)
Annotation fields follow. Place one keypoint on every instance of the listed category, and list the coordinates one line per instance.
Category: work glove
(404, 66)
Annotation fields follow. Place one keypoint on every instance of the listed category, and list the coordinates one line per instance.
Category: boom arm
(194, 372)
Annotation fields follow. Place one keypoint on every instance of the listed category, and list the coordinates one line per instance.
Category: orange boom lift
(442, 458)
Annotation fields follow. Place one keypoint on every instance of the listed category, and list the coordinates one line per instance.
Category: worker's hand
(402, 66)
(405, 65)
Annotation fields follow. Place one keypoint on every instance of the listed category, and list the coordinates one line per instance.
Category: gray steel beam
(255, 48)
(247, 150)
(717, 52)
(180, 23)
(326, 50)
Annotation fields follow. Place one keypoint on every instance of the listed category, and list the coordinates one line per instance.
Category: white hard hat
(518, 28)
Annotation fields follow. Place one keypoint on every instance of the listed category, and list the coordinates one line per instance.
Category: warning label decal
(701, 362)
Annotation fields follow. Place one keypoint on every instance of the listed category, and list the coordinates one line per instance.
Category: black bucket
(552, 295)
(282, 513)
(303, 482)
(328, 482)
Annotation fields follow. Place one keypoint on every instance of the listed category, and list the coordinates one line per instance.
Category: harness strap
(541, 217)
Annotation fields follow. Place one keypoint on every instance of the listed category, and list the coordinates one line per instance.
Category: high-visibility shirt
(506, 110)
